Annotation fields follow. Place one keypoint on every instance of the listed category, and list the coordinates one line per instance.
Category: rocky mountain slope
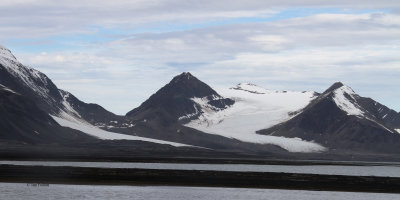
(342, 120)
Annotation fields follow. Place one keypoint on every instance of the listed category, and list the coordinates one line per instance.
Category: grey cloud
(299, 54)
(46, 17)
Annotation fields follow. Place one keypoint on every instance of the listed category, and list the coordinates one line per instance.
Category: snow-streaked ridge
(26, 74)
(71, 122)
(398, 130)
(349, 106)
(67, 106)
(254, 109)
(6, 53)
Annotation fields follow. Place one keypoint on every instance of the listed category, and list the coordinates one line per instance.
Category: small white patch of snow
(89, 129)
(351, 108)
(379, 124)
(7, 89)
(398, 130)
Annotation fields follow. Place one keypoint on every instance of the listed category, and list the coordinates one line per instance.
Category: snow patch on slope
(205, 107)
(255, 109)
(4, 88)
(398, 130)
(71, 122)
(379, 124)
(341, 99)
(67, 106)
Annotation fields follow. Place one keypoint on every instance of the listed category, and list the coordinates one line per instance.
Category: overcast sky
(117, 53)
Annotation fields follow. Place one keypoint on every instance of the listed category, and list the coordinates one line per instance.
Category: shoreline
(188, 160)
(196, 178)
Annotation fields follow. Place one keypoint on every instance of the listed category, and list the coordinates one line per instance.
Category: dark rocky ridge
(21, 120)
(92, 113)
(49, 100)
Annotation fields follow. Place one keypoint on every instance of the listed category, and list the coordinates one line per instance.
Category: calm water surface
(386, 171)
(14, 191)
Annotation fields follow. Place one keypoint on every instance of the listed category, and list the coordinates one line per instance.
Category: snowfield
(255, 108)
(71, 122)
(351, 108)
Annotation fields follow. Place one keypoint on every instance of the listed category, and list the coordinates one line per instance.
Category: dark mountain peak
(333, 87)
(176, 98)
(184, 78)
(185, 85)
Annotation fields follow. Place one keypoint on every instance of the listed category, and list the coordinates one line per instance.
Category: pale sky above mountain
(117, 53)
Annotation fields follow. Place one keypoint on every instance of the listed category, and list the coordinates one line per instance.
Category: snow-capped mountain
(54, 107)
(342, 120)
(29, 82)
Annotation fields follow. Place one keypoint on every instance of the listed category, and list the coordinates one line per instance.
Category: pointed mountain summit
(185, 85)
(341, 119)
(184, 98)
(36, 86)
(6, 53)
(333, 87)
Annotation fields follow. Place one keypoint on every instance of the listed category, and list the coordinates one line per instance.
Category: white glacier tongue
(71, 122)
(254, 110)
(350, 106)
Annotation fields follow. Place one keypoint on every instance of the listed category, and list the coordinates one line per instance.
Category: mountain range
(189, 115)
